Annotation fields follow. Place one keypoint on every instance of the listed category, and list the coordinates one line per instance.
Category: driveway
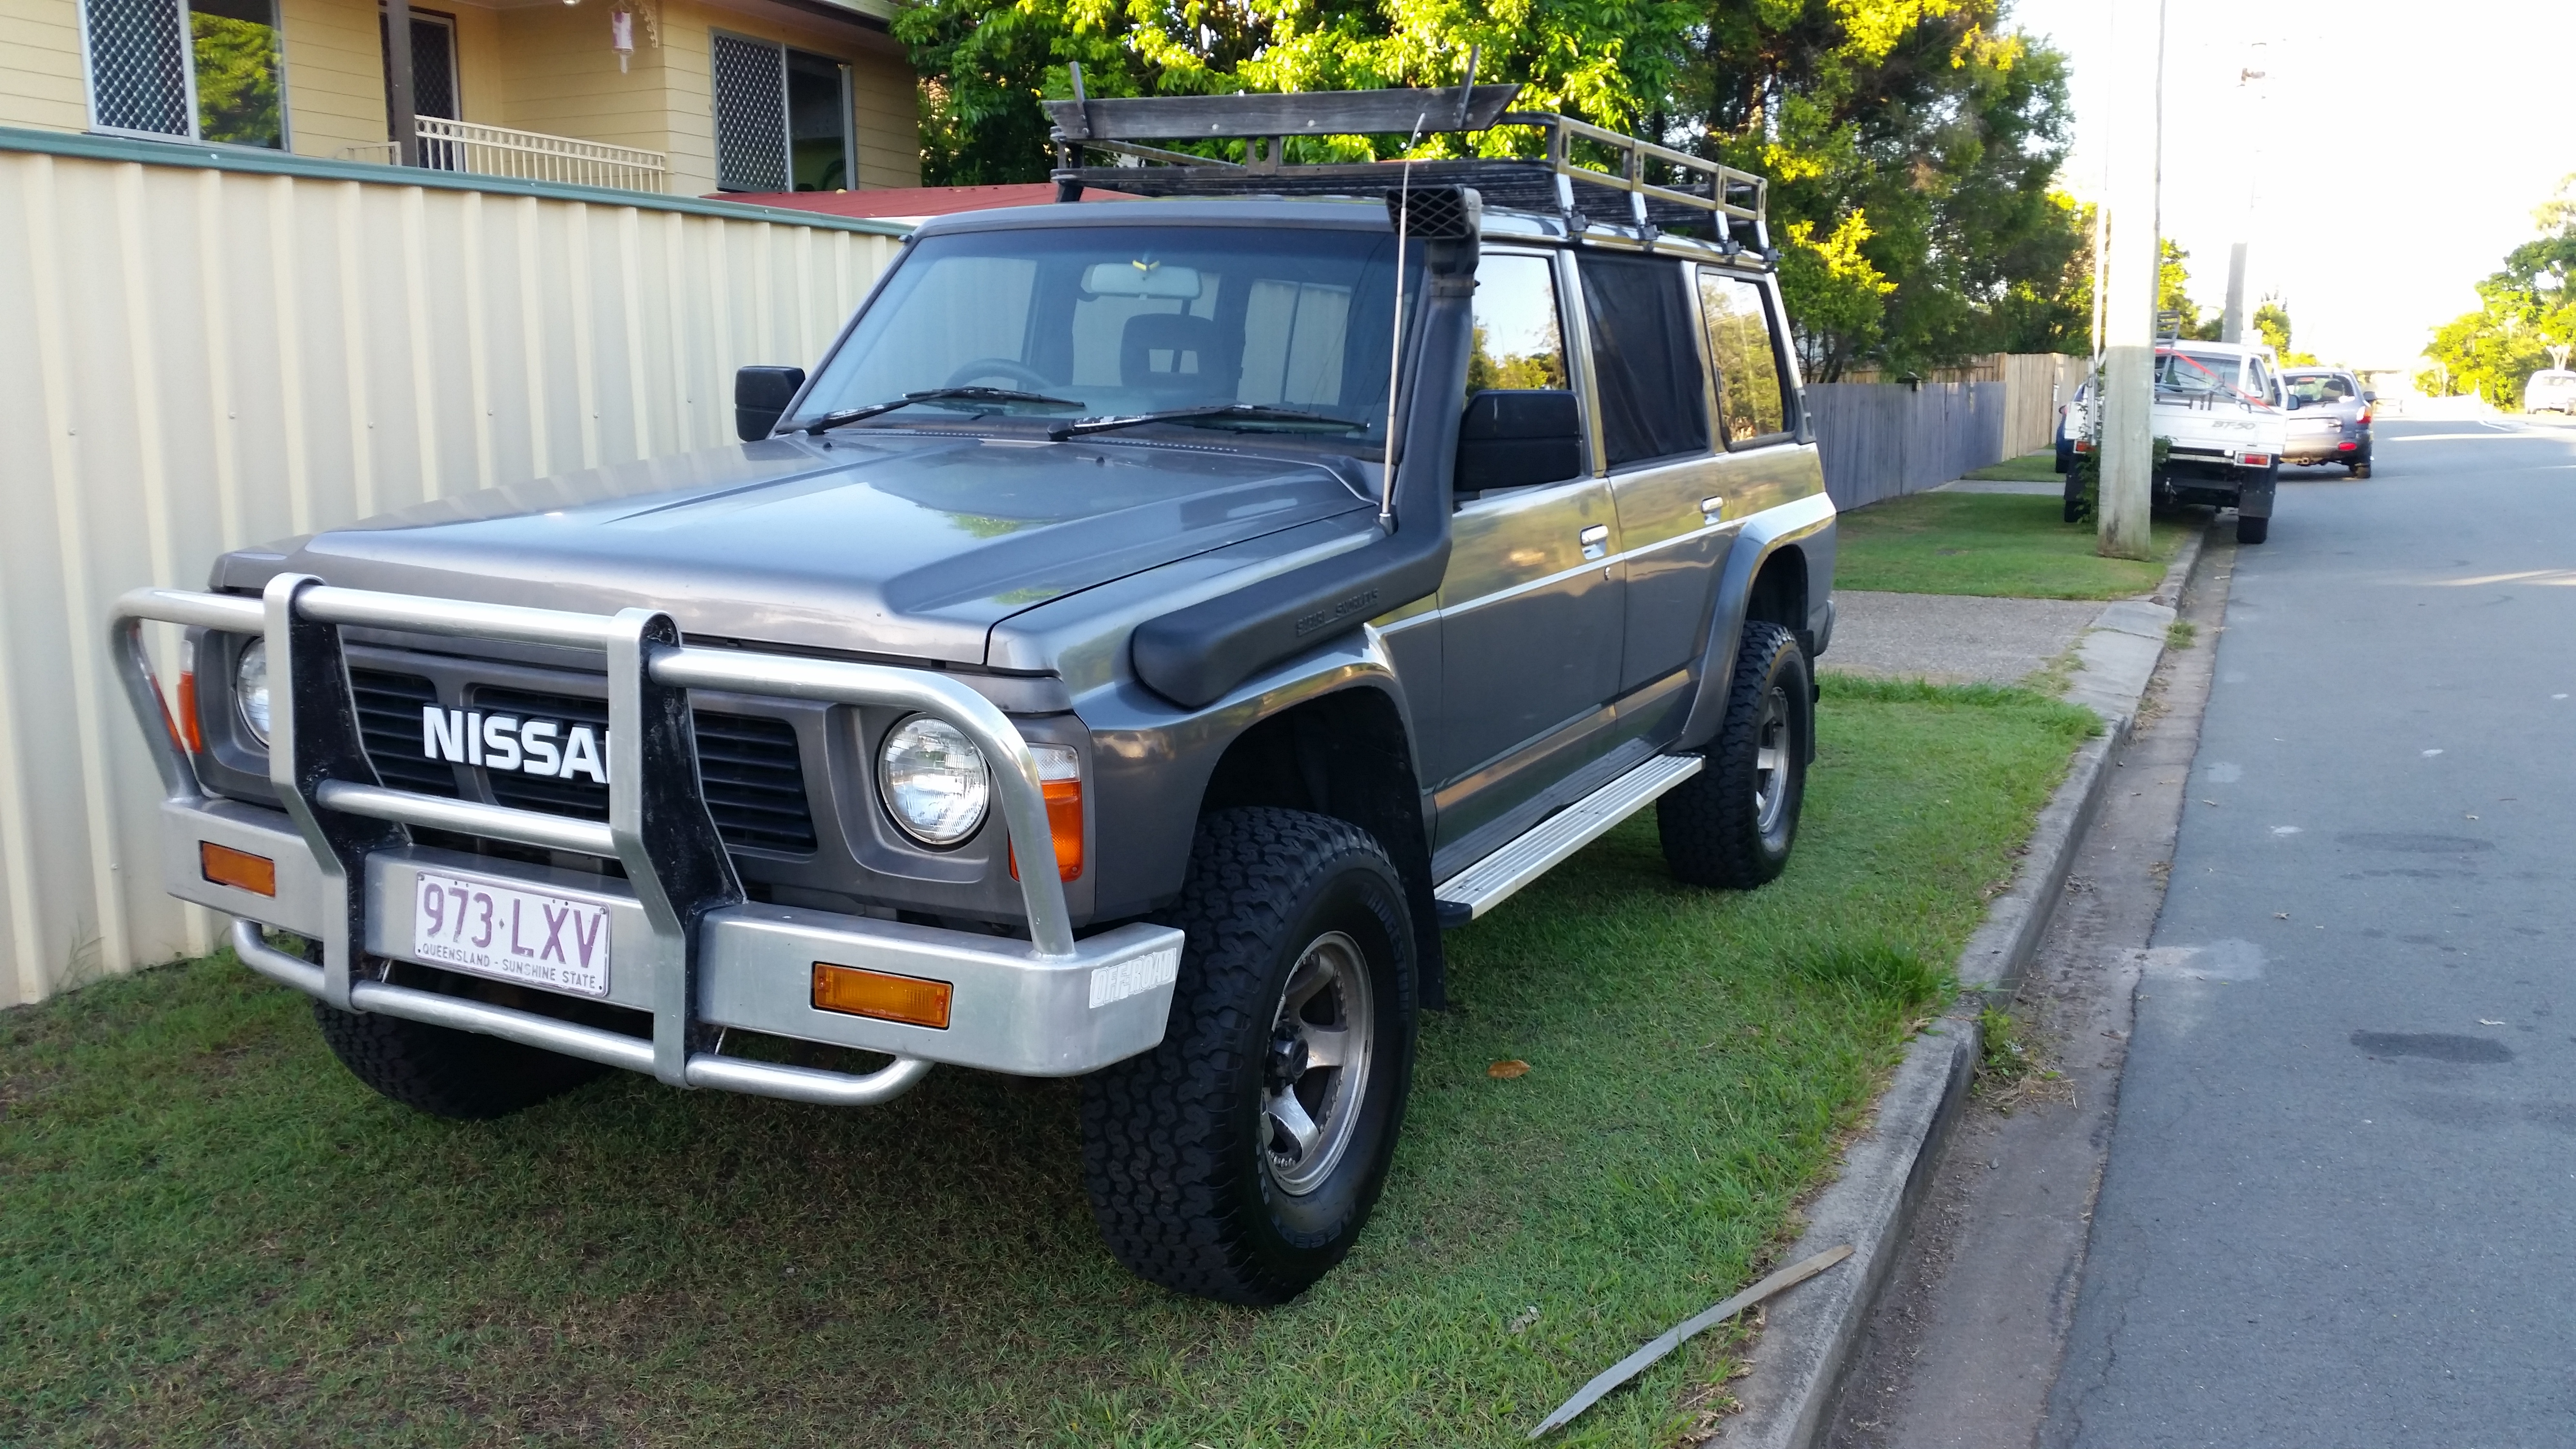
(2340, 1206)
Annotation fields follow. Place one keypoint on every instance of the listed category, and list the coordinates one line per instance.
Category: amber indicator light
(1064, 822)
(239, 869)
(188, 732)
(913, 1000)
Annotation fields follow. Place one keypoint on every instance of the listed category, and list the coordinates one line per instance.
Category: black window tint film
(1750, 389)
(1644, 360)
(1518, 342)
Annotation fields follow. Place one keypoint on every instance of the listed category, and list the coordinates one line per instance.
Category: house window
(206, 70)
(782, 118)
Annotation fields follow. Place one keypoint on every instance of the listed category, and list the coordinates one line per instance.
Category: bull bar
(686, 944)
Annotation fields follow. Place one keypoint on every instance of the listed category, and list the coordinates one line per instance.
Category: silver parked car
(2329, 419)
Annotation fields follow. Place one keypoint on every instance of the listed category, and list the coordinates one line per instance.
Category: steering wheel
(984, 367)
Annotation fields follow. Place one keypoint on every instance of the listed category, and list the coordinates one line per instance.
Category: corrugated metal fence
(202, 350)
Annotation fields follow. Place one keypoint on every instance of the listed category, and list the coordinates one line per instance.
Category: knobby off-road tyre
(1733, 824)
(1296, 986)
(461, 1075)
(2252, 530)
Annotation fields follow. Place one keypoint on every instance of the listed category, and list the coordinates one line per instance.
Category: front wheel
(1732, 825)
(1239, 1159)
(460, 1075)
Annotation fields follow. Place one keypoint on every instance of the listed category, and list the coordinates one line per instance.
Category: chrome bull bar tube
(659, 827)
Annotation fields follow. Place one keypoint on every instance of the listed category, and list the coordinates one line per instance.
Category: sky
(2389, 158)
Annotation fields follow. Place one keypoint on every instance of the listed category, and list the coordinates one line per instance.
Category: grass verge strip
(1996, 544)
(209, 1232)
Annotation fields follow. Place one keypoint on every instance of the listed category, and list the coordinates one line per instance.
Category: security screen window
(1751, 390)
(1121, 320)
(208, 71)
(1644, 360)
(782, 118)
(1519, 343)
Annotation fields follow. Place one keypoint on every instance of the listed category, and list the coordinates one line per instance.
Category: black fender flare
(1763, 535)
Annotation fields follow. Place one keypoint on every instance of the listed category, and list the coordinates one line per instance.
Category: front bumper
(686, 949)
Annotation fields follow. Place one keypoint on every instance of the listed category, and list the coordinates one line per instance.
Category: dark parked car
(1142, 633)
(2329, 419)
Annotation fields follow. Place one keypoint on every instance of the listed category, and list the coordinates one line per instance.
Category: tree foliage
(1912, 145)
(2524, 310)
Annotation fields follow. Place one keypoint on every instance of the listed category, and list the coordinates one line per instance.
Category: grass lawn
(209, 1232)
(1989, 543)
(2039, 467)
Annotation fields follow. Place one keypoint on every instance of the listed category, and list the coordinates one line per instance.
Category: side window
(212, 70)
(1644, 360)
(1752, 392)
(1519, 343)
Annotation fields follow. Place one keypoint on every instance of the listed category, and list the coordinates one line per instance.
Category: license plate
(524, 936)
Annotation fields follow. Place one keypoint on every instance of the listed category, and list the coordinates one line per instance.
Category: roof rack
(1719, 201)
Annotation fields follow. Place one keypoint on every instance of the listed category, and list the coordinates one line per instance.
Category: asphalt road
(2340, 1206)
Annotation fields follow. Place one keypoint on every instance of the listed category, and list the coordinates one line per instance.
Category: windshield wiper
(1215, 413)
(931, 395)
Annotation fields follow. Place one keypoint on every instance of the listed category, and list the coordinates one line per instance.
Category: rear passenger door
(1652, 387)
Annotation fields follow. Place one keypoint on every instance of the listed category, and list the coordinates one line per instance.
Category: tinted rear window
(1654, 402)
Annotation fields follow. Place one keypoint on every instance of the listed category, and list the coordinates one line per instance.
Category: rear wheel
(2361, 465)
(1239, 1159)
(461, 1075)
(1733, 824)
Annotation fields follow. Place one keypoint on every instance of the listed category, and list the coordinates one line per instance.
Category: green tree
(1912, 145)
(2524, 309)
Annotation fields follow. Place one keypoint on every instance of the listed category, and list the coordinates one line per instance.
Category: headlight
(933, 780)
(250, 689)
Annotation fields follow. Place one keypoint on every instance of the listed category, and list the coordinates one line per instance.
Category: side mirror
(1515, 438)
(2293, 402)
(760, 394)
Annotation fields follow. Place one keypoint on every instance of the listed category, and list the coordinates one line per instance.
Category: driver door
(1533, 607)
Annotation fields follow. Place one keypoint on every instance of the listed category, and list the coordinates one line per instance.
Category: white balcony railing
(481, 150)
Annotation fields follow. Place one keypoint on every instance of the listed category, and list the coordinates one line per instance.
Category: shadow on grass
(207, 1231)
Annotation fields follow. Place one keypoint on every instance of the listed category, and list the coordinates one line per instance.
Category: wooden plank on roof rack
(1302, 113)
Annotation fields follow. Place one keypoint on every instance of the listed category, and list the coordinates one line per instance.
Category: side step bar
(1489, 882)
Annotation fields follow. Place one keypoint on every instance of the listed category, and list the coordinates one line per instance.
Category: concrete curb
(1806, 1342)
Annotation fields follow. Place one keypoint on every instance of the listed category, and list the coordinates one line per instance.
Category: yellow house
(688, 97)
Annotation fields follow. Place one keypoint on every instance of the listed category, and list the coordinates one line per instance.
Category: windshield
(2198, 372)
(1122, 320)
(2321, 387)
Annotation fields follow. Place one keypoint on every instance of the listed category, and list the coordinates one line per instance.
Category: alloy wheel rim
(1771, 761)
(1315, 1071)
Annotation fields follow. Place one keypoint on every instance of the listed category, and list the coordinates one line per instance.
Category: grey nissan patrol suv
(1146, 629)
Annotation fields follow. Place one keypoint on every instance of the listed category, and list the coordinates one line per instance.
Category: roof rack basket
(1705, 198)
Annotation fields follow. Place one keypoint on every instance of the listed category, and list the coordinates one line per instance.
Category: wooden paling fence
(1885, 439)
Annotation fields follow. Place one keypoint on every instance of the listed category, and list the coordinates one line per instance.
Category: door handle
(1595, 540)
(1712, 510)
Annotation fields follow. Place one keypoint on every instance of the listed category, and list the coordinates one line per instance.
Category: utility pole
(2135, 97)
(2231, 327)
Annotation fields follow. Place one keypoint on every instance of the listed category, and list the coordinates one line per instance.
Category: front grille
(389, 707)
(755, 780)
